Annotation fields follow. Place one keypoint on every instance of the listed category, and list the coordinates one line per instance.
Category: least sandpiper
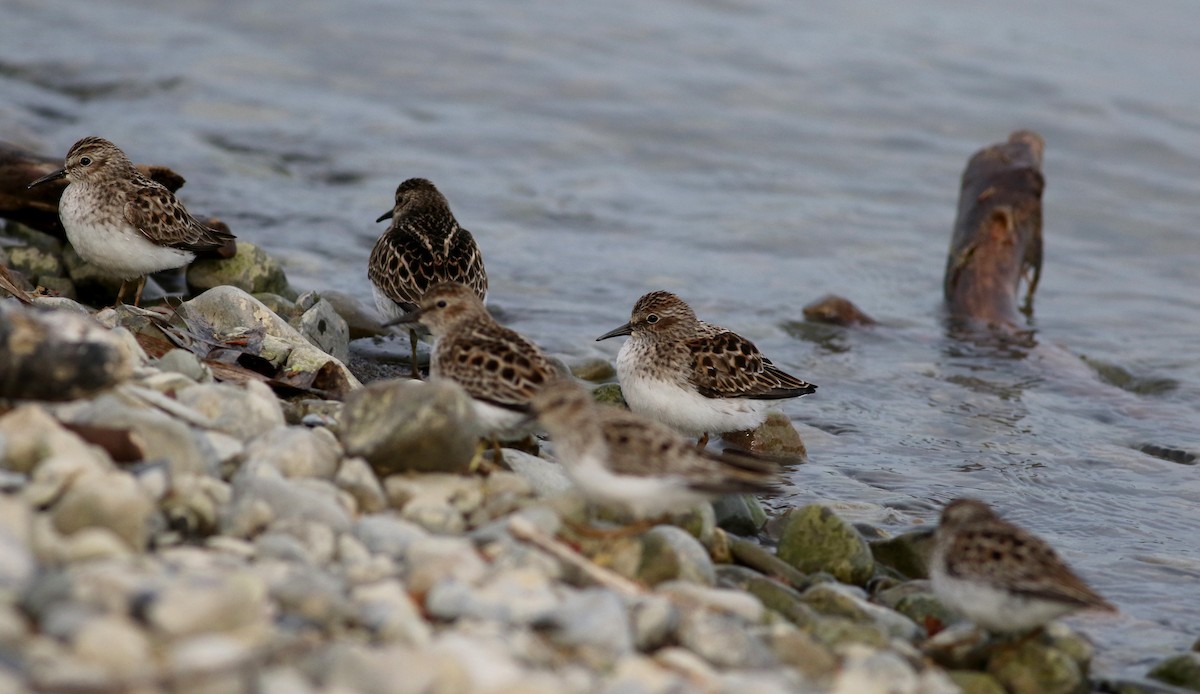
(620, 459)
(1000, 576)
(498, 368)
(423, 246)
(695, 377)
(125, 224)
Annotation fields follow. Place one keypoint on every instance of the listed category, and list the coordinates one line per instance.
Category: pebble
(244, 412)
(297, 452)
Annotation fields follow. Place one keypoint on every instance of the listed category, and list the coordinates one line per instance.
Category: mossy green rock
(816, 539)
(284, 308)
(975, 682)
(839, 600)
(835, 632)
(907, 553)
(1035, 668)
(594, 370)
(251, 270)
(916, 601)
(609, 394)
(775, 436)
(671, 554)
(762, 560)
(1180, 670)
(35, 262)
(773, 594)
(741, 514)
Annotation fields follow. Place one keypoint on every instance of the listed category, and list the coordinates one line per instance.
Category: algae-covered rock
(816, 539)
(400, 424)
(741, 514)
(907, 553)
(838, 600)
(773, 594)
(1181, 670)
(916, 601)
(776, 436)
(609, 394)
(35, 262)
(762, 560)
(1035, 668)
(251, 270)
(670, 553)
(594, 370)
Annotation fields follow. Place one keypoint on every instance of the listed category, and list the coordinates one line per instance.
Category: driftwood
(38, 207)
(998, 234)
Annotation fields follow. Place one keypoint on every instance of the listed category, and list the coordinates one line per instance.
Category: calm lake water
(750, 156)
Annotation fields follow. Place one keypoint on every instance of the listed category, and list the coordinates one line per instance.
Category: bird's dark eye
(85, 161)
(441, 304)
(652, 319)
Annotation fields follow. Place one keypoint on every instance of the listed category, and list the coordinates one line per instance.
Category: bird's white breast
(103, 238)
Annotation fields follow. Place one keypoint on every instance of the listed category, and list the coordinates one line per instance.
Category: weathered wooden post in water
(998, 233)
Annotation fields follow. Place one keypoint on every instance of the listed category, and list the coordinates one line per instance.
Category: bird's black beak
(54, 176)
(385, 215)
(626, 329)
(410, 317)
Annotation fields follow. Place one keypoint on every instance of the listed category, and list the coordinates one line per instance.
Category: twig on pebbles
(525, 531)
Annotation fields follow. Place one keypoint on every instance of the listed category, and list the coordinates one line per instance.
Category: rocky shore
(204, 497)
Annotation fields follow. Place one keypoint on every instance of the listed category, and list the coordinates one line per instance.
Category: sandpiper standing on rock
(1000, 576)
(423, 246)
(695, 377)
(498, 368)
(619, 459)
(122, 222)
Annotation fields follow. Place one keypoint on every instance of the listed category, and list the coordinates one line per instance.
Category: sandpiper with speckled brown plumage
(424, 245)
(695, 377)
(123, 223)
(1000, 576)
(498, 368)
(622, 460)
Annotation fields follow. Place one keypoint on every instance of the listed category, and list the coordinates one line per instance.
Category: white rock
(519, 596)
(245, 412)
(689, 595)
(547, 478)
(229, 602)
(262, 495)
(389, 613)
(298, 451)
(869, 671)
(431, 560)
(357, 478)
(593, 618)
(388, 535)
(31, 435)
(111, 500)
(115, 644)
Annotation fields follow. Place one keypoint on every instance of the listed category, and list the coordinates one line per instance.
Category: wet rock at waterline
(252, 270)
(816, 539)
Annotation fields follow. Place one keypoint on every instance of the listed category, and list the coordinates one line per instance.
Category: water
(751, 156)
